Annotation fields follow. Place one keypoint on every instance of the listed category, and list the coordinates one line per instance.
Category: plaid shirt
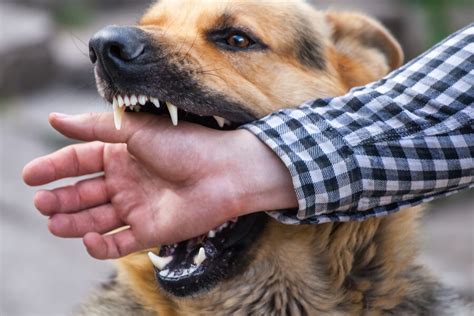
(401, 141)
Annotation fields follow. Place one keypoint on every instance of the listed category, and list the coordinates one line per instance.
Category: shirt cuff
(325, 173)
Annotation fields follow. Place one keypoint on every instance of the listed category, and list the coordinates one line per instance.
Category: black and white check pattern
(398, 142)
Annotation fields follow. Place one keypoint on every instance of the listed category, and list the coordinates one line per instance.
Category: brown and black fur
(366, 268)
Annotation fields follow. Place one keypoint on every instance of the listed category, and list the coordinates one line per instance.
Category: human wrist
(261, 180)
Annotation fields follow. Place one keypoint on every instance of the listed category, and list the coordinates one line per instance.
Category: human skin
(167, 183)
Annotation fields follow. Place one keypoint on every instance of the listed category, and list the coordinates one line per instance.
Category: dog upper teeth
(159, 262)
(134, 103)
(142, 99)
(126, 100)
(173, 113)
(133, 100)
(120, 100)
(200, 257)
(220, 121)
(118, 114)
(155, 101)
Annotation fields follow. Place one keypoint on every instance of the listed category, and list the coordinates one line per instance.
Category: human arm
(398, 142)
(168, 184)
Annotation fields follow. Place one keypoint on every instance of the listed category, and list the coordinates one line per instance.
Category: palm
(148, 184)
(130, 186)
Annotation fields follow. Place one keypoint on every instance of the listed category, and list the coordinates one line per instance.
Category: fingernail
(60, 115)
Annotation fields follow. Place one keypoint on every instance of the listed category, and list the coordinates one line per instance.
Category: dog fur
(366, 268)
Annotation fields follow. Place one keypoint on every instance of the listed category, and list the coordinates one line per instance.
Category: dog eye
(239, 40)
(234, 39)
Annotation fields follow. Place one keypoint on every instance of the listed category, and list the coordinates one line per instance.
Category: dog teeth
(126, 100)
(220, 121)
(118, 114)
(133, 100)
(142, 99)
(173, 113)
(222, 227)
(135, 103)
(211, 234)
(159, 262)
(156, 102)
(120, 100)
(200, 257)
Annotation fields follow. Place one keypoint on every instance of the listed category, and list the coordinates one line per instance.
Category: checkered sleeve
(395, 143)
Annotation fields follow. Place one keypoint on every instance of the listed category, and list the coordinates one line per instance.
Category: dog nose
(116, 46)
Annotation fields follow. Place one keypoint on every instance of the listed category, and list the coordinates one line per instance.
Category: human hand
(167, 183)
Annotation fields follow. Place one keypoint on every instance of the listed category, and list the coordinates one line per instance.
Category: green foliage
(3, 103)
(437, 13)
(71, 14)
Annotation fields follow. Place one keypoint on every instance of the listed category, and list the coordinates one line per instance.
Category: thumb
(100, 126)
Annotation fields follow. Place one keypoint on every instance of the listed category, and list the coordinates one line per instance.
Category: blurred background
(44, 67)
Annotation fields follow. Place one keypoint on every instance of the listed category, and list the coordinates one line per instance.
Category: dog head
(236, 61)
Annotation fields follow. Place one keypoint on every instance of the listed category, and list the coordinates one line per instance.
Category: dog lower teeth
(200, 257)
(182, 260)
(159, 262)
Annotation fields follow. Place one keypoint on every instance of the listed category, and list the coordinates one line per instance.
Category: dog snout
(117, 48)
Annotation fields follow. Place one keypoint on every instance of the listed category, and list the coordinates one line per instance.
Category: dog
(225, 63)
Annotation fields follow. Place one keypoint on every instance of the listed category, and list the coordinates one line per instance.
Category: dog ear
(364, 48)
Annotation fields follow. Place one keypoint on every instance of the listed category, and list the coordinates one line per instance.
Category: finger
(72, 161)
(149, 138)
(83, 195)
(102, 219)
(112, 246)
(100, 126)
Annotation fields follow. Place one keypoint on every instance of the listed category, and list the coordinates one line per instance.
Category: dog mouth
(122, 103)
(197, 264)
(191, 257)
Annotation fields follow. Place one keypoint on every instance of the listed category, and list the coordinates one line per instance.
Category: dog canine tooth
(118, 114)
(142, 99)
(173, 113)
(159, 262)
(220, 121)
(133, 99)
(200, 257)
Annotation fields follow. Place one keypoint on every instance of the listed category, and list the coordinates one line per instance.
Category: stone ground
(42, 275)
